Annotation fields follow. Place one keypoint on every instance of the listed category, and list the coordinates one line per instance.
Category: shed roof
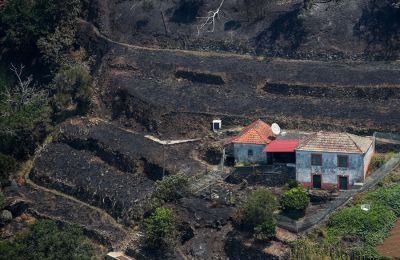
(257, 132)
(282, 146)
(335, 142)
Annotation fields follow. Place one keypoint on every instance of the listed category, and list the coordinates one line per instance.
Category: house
(333, 160)
(249, 145)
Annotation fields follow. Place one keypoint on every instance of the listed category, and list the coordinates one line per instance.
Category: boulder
(5, 217)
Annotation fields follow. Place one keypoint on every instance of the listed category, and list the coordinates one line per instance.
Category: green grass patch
(388, 196)
(370, 226)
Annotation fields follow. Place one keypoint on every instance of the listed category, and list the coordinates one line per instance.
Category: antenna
(276, 129)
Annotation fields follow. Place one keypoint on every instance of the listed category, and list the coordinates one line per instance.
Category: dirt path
(391, 246)
(203, 53)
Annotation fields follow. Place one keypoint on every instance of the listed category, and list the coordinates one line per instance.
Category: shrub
(7, 166)
(160, 227)
(171, 187)
(46, 240)
(258, 213)
(72, 87)
(213, 153)
(295, 199)
(370, 226)
(379, 160)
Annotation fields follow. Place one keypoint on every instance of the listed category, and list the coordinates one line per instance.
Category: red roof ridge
(257, 132)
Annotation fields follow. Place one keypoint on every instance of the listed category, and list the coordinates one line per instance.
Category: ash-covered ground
(332, 67)
(109, 167)
(179, 93)
(328, 30)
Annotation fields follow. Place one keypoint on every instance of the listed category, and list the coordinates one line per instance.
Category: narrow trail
(209, 53)
(187, 52)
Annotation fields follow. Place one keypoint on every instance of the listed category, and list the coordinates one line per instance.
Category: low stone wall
(261, 175)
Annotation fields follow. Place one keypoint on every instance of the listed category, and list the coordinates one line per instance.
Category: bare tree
(24, 93)
(24, 96)
(208, 22)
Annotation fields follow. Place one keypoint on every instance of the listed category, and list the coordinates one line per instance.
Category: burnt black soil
(357, 97)
(79, 174)
(108, 167)
(329, 30)
(45, 205)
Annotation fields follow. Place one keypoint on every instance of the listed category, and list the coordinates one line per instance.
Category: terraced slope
(109, 167)
(179, 93)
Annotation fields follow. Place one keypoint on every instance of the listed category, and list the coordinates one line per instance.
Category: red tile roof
(282, 146)
(335, 142)
(257, 132)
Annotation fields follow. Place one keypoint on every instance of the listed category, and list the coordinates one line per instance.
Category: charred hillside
(178, 93)
(328, 30)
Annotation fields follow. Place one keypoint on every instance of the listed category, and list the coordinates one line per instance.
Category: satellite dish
(276, 130)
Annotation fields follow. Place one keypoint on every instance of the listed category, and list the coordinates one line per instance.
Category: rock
(5, 217)
(186, 231)
(18, 206)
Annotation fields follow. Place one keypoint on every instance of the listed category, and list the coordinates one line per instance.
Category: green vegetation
(160, 228)
(370, 226)
(352, 233)
(388, 196)
(72, 87)
(7, 166)
(47, 240)
(54, 84)
(295, 199)
(44, 25)
(2, 200)
(379, 160)
(171, 188)
(258, 213)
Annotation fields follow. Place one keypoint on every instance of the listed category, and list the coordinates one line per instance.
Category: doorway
(317, 181)
(343, 182)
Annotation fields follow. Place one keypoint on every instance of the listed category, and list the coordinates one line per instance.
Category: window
(343, 161)
(250, 153)
(316, 159)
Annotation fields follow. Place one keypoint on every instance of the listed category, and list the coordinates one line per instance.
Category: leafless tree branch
(209, 20)
(24, 93)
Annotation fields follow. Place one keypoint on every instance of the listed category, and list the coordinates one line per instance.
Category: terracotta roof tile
(335, 142)
(257, 132)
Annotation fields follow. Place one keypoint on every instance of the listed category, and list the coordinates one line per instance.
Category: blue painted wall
(241, 153)
(329, 169)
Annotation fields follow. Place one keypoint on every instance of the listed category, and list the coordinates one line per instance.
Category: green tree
(258, 213)
(23, 23)
(22, 108)
(46, 240)
(171, 187)
(160, 227)
(295, 199)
